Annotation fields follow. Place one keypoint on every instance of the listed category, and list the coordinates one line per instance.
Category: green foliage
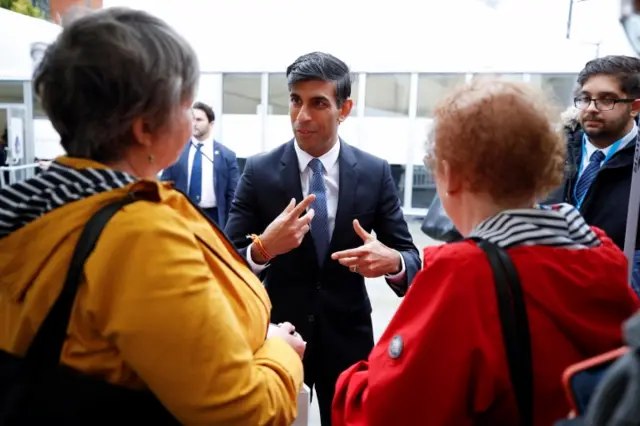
(24, 7)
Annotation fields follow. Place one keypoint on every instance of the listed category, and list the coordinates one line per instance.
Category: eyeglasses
(607, 104)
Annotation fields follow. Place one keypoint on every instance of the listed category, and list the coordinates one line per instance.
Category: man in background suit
(314, 264)
(207, 171)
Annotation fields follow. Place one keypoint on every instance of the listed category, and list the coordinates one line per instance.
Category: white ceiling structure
(405, 35)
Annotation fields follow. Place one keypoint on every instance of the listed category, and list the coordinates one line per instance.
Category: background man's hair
(625, 69)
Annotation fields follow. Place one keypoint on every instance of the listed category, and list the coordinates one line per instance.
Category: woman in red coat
(441, 360)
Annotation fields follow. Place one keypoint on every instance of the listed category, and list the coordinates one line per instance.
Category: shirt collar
(208, 141)
(631, 136)
(328, 160)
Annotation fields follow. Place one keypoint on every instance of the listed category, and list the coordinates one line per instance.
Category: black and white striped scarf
(24, 202)
(560, 225)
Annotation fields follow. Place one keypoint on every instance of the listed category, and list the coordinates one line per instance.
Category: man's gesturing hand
(287, 230)
(372, 259)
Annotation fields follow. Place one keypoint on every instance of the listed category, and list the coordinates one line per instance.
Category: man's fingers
(356, 252)
(350, 261)
(302, 206)
(360, 231)
(305, 229)
(289, 207)
(307, 218)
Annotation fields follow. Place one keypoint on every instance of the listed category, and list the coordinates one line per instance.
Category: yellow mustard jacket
(167, 304)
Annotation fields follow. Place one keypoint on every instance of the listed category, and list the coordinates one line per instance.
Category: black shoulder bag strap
(515, 327)
(44, 352)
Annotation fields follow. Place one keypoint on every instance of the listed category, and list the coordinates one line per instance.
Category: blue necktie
(320, 223)
(589, 174)
(195, 183)
(635, 277)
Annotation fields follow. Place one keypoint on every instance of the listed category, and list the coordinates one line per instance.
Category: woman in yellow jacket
(167, 304)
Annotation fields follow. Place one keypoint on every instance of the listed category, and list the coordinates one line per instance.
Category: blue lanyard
(612, 151)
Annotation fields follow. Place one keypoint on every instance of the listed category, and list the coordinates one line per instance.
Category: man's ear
(345, 109)
(635, 108)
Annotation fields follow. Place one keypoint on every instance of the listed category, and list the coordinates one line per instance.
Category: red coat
(452, 369)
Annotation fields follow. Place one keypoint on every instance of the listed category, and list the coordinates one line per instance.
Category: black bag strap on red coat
(515, 326)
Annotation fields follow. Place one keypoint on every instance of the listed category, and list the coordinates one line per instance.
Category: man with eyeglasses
(601, 149)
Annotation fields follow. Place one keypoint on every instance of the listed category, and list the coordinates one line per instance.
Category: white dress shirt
(208, 196)
(331, 173)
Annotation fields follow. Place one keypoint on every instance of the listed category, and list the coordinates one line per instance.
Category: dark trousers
(212, 213)
(333, 352)
(322, 376)
(325, 389)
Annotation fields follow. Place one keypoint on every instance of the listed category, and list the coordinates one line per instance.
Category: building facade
(391, 116)
(54, 10)
(402, 62)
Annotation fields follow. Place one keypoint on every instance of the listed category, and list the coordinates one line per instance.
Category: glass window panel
(241, 93)
(355, 90)
(507, 77)
(278, 95)
(397, 174)
(559, 87)
(387, 95)
(432, 88)
(424, 187)
(11, 92)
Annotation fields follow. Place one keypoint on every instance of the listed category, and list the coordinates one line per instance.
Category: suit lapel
(182, 179)
(184, 157)
(290, 173)
(346, 193)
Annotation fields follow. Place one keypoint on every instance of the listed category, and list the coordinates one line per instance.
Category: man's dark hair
(208, 111)
(319, 66)
(625, 69)
(107, 69)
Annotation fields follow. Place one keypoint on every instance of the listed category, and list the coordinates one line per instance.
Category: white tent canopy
(524, 36)
(17, 34)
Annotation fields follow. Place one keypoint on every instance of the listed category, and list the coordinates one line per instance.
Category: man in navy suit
(207, 171)
(313, 264)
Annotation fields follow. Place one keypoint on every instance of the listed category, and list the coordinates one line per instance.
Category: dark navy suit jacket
(225, 179)
(328, 305)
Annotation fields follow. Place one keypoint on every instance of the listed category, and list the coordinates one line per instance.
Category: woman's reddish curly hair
(500, 137)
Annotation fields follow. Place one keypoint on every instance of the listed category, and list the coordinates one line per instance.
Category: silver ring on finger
(354, 269)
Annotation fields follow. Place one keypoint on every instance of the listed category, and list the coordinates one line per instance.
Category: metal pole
(569, 19)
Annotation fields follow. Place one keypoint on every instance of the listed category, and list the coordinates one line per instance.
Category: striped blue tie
(589, 174)
(195, 183)
(635, 277)
(320, 223)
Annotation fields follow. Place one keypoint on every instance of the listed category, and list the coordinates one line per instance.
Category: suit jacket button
(311, 318)
(318, 285)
